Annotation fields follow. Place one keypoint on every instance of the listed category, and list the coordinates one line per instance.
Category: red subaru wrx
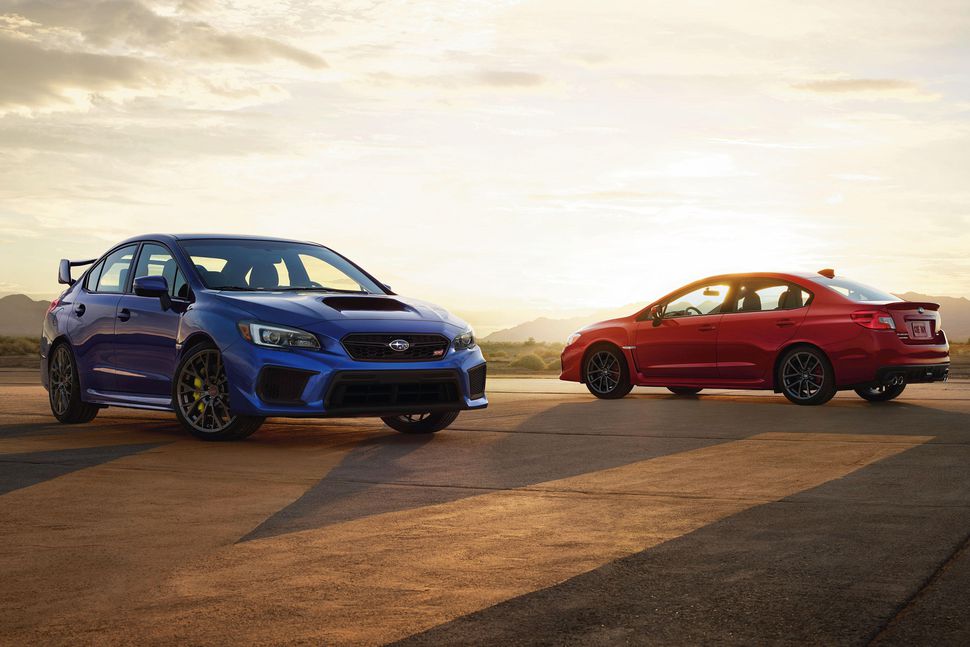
(804, 335)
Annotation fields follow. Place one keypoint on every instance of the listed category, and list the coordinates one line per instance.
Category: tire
(883, 393)
(806, 377)
(421, 423)
(683, 390)
(605, 374)
(64, 388)
(202, 403)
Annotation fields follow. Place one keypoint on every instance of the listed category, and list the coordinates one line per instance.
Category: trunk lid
(917, 322)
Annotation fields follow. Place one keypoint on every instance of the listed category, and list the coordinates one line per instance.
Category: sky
(505, 159)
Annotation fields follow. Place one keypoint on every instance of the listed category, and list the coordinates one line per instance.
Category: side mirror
(153, 286)
(387, 287)
(64, 272)
(656, 315)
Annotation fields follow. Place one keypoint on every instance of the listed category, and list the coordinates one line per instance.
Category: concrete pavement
(550, 518)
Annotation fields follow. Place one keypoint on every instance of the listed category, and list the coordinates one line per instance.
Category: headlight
(573, 338)
(277, 336)
(465, 340)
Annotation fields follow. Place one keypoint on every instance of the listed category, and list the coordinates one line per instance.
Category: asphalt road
(550, 518)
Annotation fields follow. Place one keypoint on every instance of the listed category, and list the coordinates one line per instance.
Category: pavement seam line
(907, 605)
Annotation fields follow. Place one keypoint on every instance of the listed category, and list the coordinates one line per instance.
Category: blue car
(227, 330)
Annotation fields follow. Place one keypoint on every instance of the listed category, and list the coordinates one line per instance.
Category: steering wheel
(689, 308)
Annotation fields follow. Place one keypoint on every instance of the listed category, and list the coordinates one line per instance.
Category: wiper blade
(322, 289)
(235, 288)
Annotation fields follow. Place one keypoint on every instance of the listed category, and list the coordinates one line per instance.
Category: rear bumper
(914, 373)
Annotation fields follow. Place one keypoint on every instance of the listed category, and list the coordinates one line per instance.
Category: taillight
(874, 319)
(53, 305)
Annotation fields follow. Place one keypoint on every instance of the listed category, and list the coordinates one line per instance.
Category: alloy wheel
(603, 372)
(203, 392)
(803, 375)
(61, 380)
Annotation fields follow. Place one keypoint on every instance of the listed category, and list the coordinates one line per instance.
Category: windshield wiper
(235, 288)
(322, 289)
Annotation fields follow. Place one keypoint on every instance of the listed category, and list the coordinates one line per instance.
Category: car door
(92, 319)
(682, 343)
(147, 331)
(761, 316)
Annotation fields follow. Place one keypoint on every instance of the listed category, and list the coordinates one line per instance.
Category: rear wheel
(64, 388)
(683, 390)
(882, 393)
(201, 396)
(605, 374)
(806, 377)
(421, 423)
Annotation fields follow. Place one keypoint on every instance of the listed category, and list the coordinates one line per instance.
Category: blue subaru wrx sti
(227, 330)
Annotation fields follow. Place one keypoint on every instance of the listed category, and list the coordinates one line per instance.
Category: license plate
(921, 329)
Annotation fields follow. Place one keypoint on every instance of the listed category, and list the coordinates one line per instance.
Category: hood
(305, 309)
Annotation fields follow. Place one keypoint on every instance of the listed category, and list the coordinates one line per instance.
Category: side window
(156, 260)
(699, 301)
(179, 287)
(766, 295)
(91, 281)
(114, 273)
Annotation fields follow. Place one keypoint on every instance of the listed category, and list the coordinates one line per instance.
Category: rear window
(855, 291)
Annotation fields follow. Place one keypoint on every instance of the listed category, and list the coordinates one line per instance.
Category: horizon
(509, 159)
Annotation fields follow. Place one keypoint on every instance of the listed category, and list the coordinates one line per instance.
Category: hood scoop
(366, 304)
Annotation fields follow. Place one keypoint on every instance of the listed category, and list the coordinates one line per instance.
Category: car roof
(171, 238)
(766, 275)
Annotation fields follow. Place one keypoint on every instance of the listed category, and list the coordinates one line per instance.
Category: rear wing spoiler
(912, 305)
(64, 270)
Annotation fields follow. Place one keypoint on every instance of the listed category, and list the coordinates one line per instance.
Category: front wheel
(605, 374)
(882, 393)
(64, 388)
(806, 377)
(421, 423)
(201, 396)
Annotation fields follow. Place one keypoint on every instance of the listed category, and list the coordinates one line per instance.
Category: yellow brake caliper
(197, 383)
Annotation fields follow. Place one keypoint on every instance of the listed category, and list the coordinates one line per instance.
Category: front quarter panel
(616, 332)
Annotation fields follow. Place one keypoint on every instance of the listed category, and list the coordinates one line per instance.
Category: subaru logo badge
(920, 310)
(400, 345)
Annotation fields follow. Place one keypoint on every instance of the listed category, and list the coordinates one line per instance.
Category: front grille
(376, 347)
(476, 381)
(282, 385)
(393, 390)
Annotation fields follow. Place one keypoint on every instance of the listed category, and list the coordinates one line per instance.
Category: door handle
(706, 328)
(782, 323)
(79, 309)
(125, 314)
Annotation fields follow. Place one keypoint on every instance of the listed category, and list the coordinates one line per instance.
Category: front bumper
(305, 383)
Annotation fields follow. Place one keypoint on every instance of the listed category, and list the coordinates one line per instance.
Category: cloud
(107, 23)
(865, 88)
(482, 78)
(34, 76)
(506, 78)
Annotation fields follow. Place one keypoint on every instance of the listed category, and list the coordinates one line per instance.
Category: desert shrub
(19, 346)
(530, 342)
(498, 354)
(553, 365)
(530, 361)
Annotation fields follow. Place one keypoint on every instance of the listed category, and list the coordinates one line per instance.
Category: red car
(804, 335)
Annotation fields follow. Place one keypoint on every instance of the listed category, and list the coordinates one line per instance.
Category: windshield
(854, 291)
(274, 265)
